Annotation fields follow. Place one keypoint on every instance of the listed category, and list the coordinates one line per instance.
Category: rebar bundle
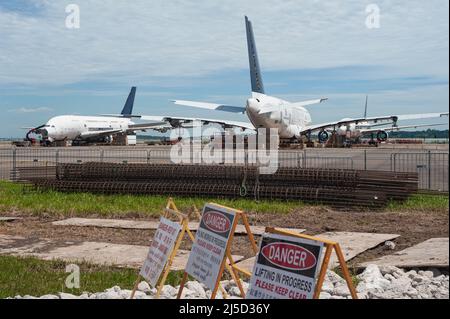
(337, 187)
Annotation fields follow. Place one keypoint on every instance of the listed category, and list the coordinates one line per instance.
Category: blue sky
(197, 50)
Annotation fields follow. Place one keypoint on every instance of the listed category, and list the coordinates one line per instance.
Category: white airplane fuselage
(354, 131)
(287, 119)
(351, 130)
(71, 127)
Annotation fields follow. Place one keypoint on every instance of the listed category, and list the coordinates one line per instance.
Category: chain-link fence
(432, 166)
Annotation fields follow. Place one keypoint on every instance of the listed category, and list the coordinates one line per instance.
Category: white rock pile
(389, 283)
(393, 283)
(374, 283)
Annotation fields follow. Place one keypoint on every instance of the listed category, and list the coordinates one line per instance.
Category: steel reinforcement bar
(326, 195)
(338, 187)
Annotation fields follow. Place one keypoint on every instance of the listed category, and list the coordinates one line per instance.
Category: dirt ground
(413, 228)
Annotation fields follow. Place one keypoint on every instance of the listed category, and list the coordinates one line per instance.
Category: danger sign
(286, 268)
(160, 249)
(211, 241)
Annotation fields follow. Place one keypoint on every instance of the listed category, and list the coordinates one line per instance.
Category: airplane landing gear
(372, 140)
(291, 143)
(309, 142)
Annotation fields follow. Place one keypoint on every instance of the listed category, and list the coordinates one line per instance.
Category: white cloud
(122, 41)
(31, 110)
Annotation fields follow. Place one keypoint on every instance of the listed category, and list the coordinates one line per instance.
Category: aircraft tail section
(365, 108)
(128, 107)
(255, 71)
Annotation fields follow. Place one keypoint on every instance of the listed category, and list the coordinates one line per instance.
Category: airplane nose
(48, 132)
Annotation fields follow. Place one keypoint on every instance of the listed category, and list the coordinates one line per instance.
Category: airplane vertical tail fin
(255, 71)
(128, 107)
(365, 109)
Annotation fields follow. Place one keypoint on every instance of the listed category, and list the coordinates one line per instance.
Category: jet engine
(108, 139)
(323, 136)
(382, 136)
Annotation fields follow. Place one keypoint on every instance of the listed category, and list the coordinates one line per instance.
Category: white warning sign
(209, 247)
(160, 250)
(286, 268)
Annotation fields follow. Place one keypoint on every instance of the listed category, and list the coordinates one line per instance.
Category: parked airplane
(354, 131)
(91, 128)
(292, 120)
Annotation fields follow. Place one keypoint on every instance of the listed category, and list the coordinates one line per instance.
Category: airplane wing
(146, 126)
(421, 116)
(211, 106)
(241, 109)
(398, 128)
(99, 133)
(376, 119)
(131, 128)
(187, 122)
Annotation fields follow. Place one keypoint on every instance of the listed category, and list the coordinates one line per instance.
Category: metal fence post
(148, 156)
(102, 155)
(365, 160)
(392, 167)
(429, 170)
(14, 166)
(304, 158)
(57, 157)
(395, 162)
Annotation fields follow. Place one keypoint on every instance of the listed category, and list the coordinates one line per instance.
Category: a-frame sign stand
(329, 247)
(228, 262)
(170, 210)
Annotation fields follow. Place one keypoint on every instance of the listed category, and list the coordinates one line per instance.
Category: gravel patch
(373, 283)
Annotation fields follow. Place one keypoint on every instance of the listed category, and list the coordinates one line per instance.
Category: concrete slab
(430, 253)
(247, 264)
(107, 223)
(21, 246)
(150, 225)
(352, 244)
(6, 240)
(127, 256)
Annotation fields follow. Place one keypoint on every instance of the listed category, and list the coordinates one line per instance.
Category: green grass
(353, 274)
(20, 198)
(421, 202)
(31, 276)
(17, 197)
